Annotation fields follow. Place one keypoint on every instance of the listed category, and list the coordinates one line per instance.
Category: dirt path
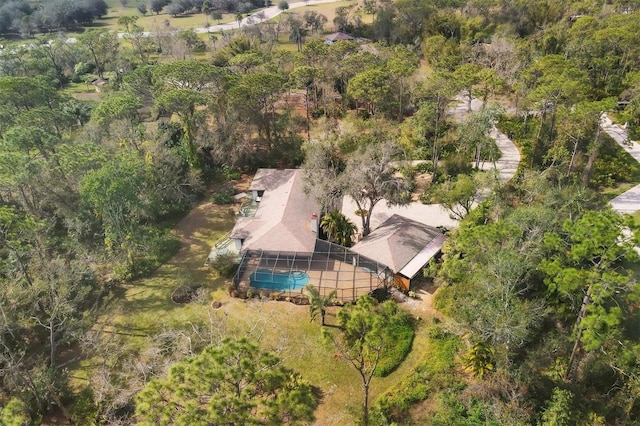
(421, 305)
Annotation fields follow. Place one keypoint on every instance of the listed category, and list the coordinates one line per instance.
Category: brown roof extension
(397, 241)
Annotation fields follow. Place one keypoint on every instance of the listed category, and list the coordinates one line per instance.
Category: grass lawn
(145, 307)
(326, 9)
(151, 22)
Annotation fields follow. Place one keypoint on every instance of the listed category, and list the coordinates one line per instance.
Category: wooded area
(107, 142)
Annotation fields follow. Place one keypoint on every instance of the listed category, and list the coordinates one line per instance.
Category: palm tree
(317, 303)
(338, 227)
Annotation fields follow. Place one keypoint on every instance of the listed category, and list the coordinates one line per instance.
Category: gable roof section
(339, 36)
(403, 244)
(282, 221)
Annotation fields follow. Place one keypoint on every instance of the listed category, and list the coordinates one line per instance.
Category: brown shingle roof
(397, 241)
(339, 36)
(282, 221)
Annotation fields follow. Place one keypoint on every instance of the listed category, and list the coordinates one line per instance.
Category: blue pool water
(264, 278)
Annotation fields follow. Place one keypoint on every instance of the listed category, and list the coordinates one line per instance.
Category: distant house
(332, 38)
(282, 219)
(402, 244)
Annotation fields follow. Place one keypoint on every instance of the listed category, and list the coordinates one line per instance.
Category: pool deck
(349, 281)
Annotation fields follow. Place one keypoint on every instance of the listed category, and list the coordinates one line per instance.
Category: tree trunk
(52, 344)
(365, 405)
(57, 400)
(597, 143)
(306, 101)
(569, 374)
(366, 223)
(573, 156)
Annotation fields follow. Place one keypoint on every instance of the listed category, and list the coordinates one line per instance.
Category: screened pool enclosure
(330, 267)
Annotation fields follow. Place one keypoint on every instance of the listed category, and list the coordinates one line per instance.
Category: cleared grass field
(151, 22)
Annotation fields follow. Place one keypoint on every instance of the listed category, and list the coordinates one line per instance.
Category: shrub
(435, 374)
(456, 164)
(399, 339)
(231, 174)
(223, 196)
(154, 248)
(424, 167)
(15, 412)
(188, 291)
(225, 264)
(231, 290)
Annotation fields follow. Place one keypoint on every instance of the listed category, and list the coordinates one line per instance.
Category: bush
(154, 248)
(423, 167)
(188, 291)
(231, 174)
(435, 374)
(15, 412)
(456, 164)
(614, 165)
(225, 264)
(223, 196)
(399, 339)
(283, 5)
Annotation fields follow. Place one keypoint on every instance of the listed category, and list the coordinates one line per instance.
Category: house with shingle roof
(278, 238)
(339, 36)
(404, 245)
(282, 221)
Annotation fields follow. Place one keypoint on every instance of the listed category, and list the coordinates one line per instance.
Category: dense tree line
(21, 17)
(538, 278)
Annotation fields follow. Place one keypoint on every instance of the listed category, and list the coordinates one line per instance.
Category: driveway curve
(627, 202)
(253, 19)
(435, 214)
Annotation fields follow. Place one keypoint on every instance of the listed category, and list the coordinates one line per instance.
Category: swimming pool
(264, 278)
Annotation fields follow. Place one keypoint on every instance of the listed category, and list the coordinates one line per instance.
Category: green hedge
(154, 247)
(434, 374)
(396, 347)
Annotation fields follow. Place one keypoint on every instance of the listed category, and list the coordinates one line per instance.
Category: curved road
(253, 19)
(435, 214)
(507, 164)
(627, 202)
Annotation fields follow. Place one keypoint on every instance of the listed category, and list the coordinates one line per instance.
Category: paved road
(508, 163)
(628, 202)
(253, 19)
(261, 16)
